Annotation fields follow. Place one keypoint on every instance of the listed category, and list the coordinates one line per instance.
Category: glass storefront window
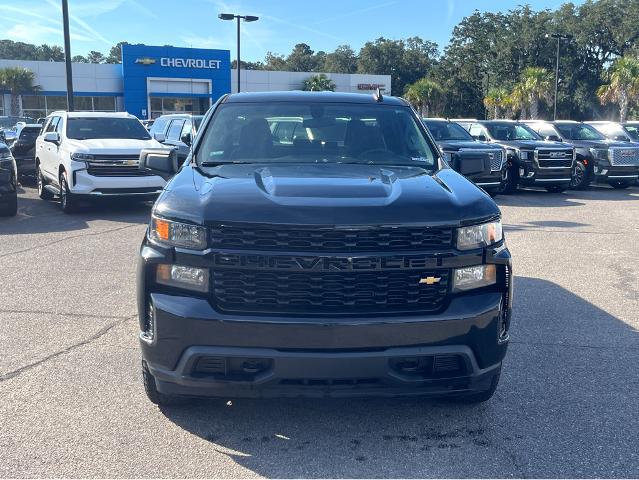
(56, 103)
(83, 103)
(104, 104)
(166, 105)
(37, 106)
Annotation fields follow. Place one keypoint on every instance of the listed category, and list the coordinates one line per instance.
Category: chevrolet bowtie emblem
(145, 61)
(429, 280)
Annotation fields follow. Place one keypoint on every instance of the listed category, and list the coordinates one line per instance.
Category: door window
(53, 123)
(174, 130)
(187, 128)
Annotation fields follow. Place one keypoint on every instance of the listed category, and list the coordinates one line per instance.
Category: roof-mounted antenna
(378, 95)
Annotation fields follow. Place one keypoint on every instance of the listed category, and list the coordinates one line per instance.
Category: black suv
(8, 182)
(458, 146)
(23, 148)
(598, 159)
(176, 130)
(350, 260)
(532, 160)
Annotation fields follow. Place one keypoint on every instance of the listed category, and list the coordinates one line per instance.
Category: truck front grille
(624, 157)
(326, 239)
(554, 158)
(97, 170)
(317, 293)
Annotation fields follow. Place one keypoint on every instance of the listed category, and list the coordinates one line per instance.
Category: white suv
(88, 154)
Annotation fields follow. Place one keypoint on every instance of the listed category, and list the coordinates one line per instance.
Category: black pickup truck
(346, 260)
(8, 182)
(457, 146)
(532, 161)
(598, 159)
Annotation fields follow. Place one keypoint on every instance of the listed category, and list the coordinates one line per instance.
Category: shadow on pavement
(566, 407)
(39, 216)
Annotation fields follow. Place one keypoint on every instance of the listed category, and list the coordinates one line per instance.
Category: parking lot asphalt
(72, 402)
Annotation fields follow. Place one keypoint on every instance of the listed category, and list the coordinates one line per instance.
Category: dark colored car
(177, 130)
(349, 261)
(8, 182)
(532, 160)
(23, 148)
(458, 145)
(598, 159)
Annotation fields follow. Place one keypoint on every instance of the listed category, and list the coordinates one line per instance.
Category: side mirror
(553, 138)
(52, 137)
(186, 139)
(159, 137)
(159, 161)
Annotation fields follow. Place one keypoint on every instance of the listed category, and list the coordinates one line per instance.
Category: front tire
(620, 185)
(509, 185)
(11, 208)
(152, 393)
(68, 200)
(579, 179)
(480, 397)
(43, 193)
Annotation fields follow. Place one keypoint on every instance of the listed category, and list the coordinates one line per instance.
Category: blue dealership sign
(166, 69)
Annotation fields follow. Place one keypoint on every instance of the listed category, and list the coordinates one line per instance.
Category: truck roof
(315, 97)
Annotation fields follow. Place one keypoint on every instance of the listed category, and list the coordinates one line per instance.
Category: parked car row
(555, 155)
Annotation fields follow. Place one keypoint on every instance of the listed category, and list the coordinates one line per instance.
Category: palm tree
(318, 83)
(17, 80)
(537, 84)
(423, 94)
(623, 88)
(517, 101)
(496, 100)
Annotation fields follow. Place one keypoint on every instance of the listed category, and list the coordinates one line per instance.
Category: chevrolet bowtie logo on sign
(145, 61)
(429, 280)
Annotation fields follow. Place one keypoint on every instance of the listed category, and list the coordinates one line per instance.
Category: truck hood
(454, 145)
(323, 195)
(113, 146)
(532, 144)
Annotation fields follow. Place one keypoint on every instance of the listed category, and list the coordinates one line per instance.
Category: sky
(100, 24)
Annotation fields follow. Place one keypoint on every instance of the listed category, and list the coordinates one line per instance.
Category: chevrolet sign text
(189, 63)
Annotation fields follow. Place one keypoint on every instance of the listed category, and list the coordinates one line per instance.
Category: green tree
(50, 53)
(623, 85)
(423, 94)
(318, 83)
(497, 101)
(11, 50)
(301, 59)
(274, 61)
(115, 54)
(79, 59)
(342, 60)
(537, 84)
(17, 80)
(95, 57)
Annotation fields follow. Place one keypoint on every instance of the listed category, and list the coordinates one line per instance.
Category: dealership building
(152, 81)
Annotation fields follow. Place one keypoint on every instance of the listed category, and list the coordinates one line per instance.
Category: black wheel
(579, 179)
(479, 397)
(510, 183)
(556, 188)
(68, 200)
(42, 192)
(620, 185)
(11, 208)
(152, 393)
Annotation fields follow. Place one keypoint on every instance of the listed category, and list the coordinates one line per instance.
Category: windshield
(579, 132)
(85, 128)
(304, 132)
(511, 131)
(613, 131)
(447, 131)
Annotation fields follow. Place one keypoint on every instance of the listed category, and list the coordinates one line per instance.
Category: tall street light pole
(559, 37)
(67, 55)
(246, 18)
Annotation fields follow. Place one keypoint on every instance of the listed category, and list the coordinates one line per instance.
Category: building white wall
(87, 77)
(264, 81)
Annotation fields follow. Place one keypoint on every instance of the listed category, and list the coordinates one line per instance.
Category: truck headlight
(479, 236)
(468, 278)
(82, 157)
(522, 155)
(599, 153)
(190, 278)
(177, 234)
